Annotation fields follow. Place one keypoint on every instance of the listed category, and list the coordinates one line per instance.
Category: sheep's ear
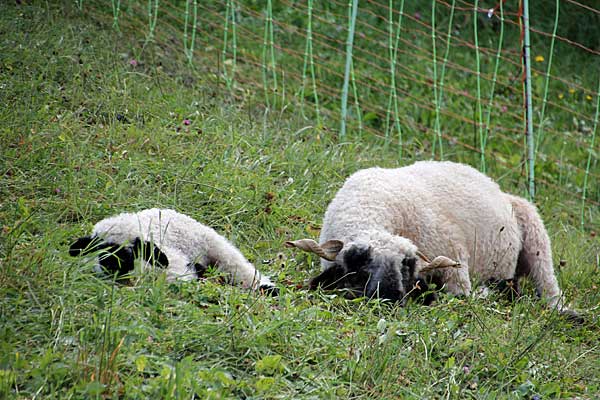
(328, 250)
(333, 246)
(149, 252)
(357, 256)
(331, 278)
(84, 245)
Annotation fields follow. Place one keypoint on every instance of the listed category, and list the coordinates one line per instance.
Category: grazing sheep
(169, 239)
(384, 224)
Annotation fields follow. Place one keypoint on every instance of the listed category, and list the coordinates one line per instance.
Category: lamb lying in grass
(168, 239)
(384, 225)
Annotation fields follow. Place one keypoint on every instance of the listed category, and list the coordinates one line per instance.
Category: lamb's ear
(357, 256)
(149, 252)
(328, 250)
(84, 245)
(331, 278)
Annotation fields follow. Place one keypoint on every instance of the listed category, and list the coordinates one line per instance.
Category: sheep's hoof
(269, 290)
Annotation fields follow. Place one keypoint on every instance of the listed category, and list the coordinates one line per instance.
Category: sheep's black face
(115, 259)
(363, 273)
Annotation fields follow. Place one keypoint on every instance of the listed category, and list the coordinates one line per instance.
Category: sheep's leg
(535, 258)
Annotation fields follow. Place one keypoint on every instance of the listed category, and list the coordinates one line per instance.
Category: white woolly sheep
(182, 245)
(383, 224)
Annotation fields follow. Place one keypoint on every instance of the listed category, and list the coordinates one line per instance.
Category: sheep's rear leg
(535, 258)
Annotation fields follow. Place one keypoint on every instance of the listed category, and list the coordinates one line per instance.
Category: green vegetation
(93, 122)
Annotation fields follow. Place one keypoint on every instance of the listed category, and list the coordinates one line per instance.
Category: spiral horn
(328, 250)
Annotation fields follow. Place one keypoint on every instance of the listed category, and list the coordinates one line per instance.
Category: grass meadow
(85, 133)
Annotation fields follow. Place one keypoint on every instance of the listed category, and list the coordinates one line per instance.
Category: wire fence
(495, 84)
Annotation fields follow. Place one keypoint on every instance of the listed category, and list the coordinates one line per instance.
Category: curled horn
(423, 257)
(438, 262)
(328, 250)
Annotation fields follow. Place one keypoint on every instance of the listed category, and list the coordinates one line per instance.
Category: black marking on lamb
(369, 277)
(154, 256)
(116, 259)
(199, 268)
(269, 290)
(84, 245)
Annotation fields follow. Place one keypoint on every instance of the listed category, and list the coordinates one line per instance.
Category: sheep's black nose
(383, 290)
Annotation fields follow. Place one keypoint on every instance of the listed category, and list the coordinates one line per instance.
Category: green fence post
(349, 43)
(528, 105)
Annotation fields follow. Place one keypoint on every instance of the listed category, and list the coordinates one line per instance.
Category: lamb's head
(363, 268)
(118, 259)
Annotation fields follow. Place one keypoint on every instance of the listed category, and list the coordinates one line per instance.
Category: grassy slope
(87, 135)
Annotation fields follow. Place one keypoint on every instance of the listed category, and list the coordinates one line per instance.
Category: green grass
(86, 135)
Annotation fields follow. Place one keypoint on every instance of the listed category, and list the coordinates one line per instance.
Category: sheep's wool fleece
(183, 240)
(448, 209)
